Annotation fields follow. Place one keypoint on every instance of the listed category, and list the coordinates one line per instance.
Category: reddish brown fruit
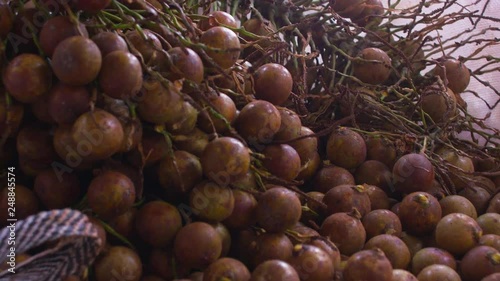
(457, 204)
(312, 263)
(109, 41)
(226, 269)
(480, 262)
(57, 190)
(346, 231)
(243, 214)
(121, 75)
(224, 46)
(66, 103)
(379, 222)
(27, 203)
(278, 209)
(438, 272)
(344, 198)
(455, 74)
(218, 18)
(186, 63)
(211, 202)
(27, 77)
(271, 246)
(76, 61)
(274, 270)
(56, 29)
(394, 249)
(258, 122)
(457, 233)
(330, 176)
(157, 223)
(118, 261)
(373, 66)
(346, 148)
(419, 213)
(282, 161)
(429, 256)
(273, 83)
(368, 265)
(413, 172)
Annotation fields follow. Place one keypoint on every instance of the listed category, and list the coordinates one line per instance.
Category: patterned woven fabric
(76, 245)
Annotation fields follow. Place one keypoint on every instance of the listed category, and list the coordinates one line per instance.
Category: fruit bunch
(274, 140)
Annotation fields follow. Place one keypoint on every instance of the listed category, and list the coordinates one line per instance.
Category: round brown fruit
(258, 122)
(344, 198)
(118, 262)
(66, 103)
(147, 47)
(394, 249)
(346, 231)
(185, 63)
(429, 256)
(330, 176)
(225, 160)
(273, 83)
(373, 172)
(454, 73)
(121, 75)
(27, 203)
(489, 223)
(6, 20)
(57, 190)
(439, 104)
(346, 148)
(34, 143)
(457, 204)
(223, 46)
(402, 275)
(157, 223)
(491, 240)
(226, 269)
(459, 165)
(480, 262)
(97, 135)
(243, 214)
(378, 197)
(271, 246)
(278, 209)
(197, 245)
(225, 237)
(290, 126)
(307, 148)
(438, 272)
(218, 18)
(110, 194)
(381, 149)
(180, 172)
(380, 221)
(370, 17)
(273, 270)
(282, 161)
(225, 107)
(457, 233)
(27, 77)
(76, 61)
(109, 41)
(347, 9)
(211, 202)
(412, 172)
(368, 265)
(478, 196)
(312, 263)
(372, 66)
(56, 29)
(494, 205)
(419, 213)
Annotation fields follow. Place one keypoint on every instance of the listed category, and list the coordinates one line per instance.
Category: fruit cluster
(210, 141)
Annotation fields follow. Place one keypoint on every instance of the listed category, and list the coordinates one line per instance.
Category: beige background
(476, 106)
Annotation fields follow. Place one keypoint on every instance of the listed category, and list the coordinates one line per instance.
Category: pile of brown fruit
(256, 140)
